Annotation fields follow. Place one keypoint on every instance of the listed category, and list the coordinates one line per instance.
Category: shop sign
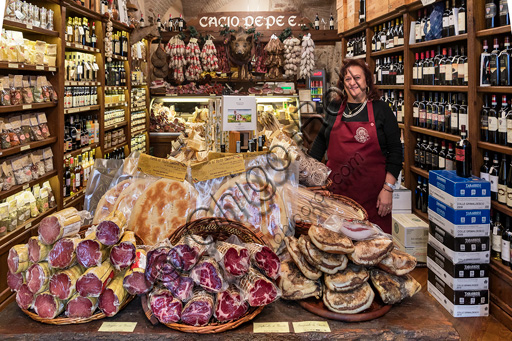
(260, 20)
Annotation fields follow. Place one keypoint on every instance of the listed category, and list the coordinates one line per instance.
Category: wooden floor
(469, 328)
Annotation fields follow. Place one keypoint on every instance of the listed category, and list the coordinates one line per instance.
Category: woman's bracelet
(387, 190)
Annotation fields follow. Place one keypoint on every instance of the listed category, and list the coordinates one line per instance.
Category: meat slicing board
(317, 307)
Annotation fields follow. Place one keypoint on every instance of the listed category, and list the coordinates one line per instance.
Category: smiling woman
(364, 127)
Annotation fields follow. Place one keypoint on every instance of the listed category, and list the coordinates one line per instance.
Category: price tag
(113, 327)
(86, 149)
(23, 148)
(29, 225)
(29, 26)
(271, 327)
(52, 69)
(427, 2)
(311, 326)
(27, 106)
(25, 186)
(12, 66)
(39, 67)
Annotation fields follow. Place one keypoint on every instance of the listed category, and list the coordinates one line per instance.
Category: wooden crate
(341, 22)
(375, 9)
(340, 3)
(352, 14)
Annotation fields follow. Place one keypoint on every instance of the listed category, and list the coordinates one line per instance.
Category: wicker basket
(219, 229)
(325, 187)
(302, 227)
(66, 320)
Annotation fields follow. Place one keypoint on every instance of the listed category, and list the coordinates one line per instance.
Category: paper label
(12, 66)
(123, 327)
(27, 106)
(271, 327)
(218, 168)
(162, 167)
(311, 326)
(27, 147)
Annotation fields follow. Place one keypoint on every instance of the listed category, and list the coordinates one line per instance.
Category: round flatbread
(350, 278)
(127, 199)
(349, 302)
(107, 201)
(253, 203)
(162, 207)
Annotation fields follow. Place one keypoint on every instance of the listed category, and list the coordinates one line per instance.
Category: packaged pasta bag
(25, 127)
(35, 131)
(48, 159)
(15, 122)
(26, 92)
(38, 90)
(14, 139)
(51, 197)
(5, 91)
(21, 167)
(43, 124)
(5, 141)
(4, 218)
(47, 89)
(9, 179)
(16, 83)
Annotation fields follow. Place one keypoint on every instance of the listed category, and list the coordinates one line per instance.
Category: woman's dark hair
(373, 93)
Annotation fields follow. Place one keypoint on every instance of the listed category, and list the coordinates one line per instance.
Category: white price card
(126, 327)
(271, 327)
(427, 2)
(311, 326)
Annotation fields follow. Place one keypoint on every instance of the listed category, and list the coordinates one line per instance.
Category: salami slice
(182, 288)
(64, 223)
(122, 255)
(264, 259)
(258, 290)
(113, 297)
(15, 281)
(81, 307)
(94, 281)
(229, 305)
(63, 284)
(48, 306)
(37, 251)
(157, 258)
(208, 275)
(17, 260)
(185, 255)
(135, 281)
(90, 252)
(38, 277)
(111, 229)
(199, 310)
(236, 259)
(24, 297)
(63, 253)
(164, 306)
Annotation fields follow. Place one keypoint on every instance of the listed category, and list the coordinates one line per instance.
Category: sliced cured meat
(208, 275)
(63, 253)
(94, 280)
(229, 305)
(257, 289)
(135, 281)
(107, 201)
(48, 306)
(81, 307)
(90, 252)
(37, 251)
(113, 296)
(62, 224)
(156, 260)
(38, 277)
(15, 281)
(109, 231)
(199, 310)
(168, 273)
(164, 306)
(63, 284)
(236, 259)
(17, 260)
(264, 259)
(122, 255)
(24, 297)
(182, 288)
(357, 229)
(185, 255)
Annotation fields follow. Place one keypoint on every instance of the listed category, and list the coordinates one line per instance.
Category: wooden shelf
(138, 132)
(81, 150)
(18, 188)
(495, 89)
(447, 88)
(440, 41)
(25, 67)
(493, 31)
(419, 171)
(390, 87)
(114, 126)
(81, 109)
(502, 208)
(113, 105)
(81, 10)
(80, 47)
(118, 57)
(423, 216)
(29, 28)
(353, 31)
(81, 83)
(112, 87)
(31, 145)
(361, 56)
(111, 149)
(388, 51)
(121, 26)
(30, 223)
(138, 109)
(401, 125)
(435, 133)
(33, 106)
(72, 200)
(495, 147)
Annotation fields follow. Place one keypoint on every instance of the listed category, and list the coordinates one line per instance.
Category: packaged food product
(9, 180)
(36, 21)
(47, 89)
(4, 218)
(38, 91)
(35, 131)
(25, 127)
(6, 92)
(26, 92)
(48, 159)
(21, 166)
(44, 200)
(13, 215)
(29, 197)
(4, 136)
(41, 119)
(51, 197)
(15, 122)
(16, 83)
(14, 139)
(43, 17)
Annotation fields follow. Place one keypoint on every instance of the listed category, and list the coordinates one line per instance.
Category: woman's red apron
(358, 166)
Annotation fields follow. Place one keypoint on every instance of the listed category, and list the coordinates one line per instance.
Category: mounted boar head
(240, 46)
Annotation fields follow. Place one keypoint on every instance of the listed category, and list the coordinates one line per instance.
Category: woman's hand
(384, 202)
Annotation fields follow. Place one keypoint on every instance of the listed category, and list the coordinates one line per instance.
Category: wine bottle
(435, 155)
(493, 121)
(442, 156)
(504, 18)
(446, 19)
(504, 63)
(141, 21)
(462, 17)
(463, 155)
(331, 23)
(317, 22)
(169, 23)
(502, 181)
(497, 232)
(491, 14)
(502, 121)
(424, 192)
(417, 149)
(484, 120)
(485, 169)
(495, 63)
(509, 185)
(418, 195)
(423, 153)
(505, 245)
(450, 158)
(493, 177)
(159, 23)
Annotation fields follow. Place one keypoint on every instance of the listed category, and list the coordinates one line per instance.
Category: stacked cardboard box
(410, 234)
(458, 250)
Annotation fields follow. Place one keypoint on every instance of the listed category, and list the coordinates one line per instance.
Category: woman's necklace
(355, 112)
